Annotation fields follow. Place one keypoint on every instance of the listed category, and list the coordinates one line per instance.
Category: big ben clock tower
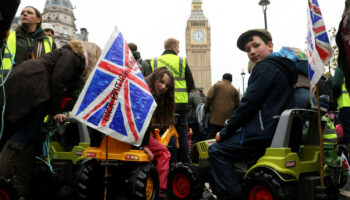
(198, 46)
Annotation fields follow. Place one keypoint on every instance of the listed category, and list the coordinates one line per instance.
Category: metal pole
(243, 75)
(320, 135)
(264, 10)
(243, 83)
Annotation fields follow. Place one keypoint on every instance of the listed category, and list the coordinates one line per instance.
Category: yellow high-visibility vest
(177, 66)
(11, 43)
(329, 134)
(343, 99)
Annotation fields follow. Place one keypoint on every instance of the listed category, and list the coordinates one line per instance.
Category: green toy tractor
(289, 169)
(54, 173)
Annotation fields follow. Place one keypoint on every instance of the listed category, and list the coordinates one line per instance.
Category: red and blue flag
(319, 48)
(116, 99)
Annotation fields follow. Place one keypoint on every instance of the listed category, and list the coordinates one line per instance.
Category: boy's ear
(270, 45)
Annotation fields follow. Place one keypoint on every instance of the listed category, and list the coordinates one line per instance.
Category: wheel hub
(149, 188)
(181, 186)
(260, 193)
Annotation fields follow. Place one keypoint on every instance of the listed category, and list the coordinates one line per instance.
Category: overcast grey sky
(149, 22)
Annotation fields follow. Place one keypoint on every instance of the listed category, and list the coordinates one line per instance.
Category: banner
(319, 50)
(116, 99)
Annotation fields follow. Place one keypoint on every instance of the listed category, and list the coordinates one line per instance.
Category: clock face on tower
(198, 36)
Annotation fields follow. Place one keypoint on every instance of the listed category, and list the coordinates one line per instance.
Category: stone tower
(59, 13)
(198, 46)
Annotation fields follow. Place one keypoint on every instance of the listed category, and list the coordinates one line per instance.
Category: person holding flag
(34, 89)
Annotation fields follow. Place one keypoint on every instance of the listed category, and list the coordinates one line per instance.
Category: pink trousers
(162, 156)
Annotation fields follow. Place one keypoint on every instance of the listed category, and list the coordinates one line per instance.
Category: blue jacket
(270, 92)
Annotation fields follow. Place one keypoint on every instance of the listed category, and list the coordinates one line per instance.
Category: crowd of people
(37, 76)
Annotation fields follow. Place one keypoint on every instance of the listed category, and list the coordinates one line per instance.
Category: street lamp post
(243, 76)
(264, 4)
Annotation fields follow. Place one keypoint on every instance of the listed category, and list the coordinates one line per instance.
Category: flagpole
(106, 170)
(320, 134)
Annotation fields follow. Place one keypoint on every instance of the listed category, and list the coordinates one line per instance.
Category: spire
(197, 11)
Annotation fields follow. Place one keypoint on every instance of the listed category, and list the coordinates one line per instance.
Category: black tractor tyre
(265, 184)
(143, 182)
(7, 192)
(88, 183)
(43, 185)
(184, 182)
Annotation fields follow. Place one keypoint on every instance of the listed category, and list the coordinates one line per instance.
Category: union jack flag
(319, 48)
(116, 99)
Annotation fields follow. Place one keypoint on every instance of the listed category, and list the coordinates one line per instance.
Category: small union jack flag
(319, 47)
(116, 99)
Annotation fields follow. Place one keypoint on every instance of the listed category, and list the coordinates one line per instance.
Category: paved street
(345, 192)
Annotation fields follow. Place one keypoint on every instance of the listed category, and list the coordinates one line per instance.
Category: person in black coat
(34, 89)
(252, 125)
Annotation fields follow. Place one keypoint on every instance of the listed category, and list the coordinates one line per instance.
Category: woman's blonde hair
(94, 52)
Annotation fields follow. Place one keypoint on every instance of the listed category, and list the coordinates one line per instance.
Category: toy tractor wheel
(144, 182)
(342, 149)
(264, 186)
(7, 192)
(89, 180)
(43, 184)
(184, 182)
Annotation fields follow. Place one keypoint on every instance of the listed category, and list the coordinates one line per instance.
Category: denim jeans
(302, 98)
(222, 156)
(344, 117)
(28, 129)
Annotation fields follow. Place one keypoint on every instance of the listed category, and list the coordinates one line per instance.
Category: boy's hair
(170, 43)
(247, 36)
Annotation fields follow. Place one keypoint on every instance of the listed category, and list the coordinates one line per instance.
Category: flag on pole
(319, 49)
(116, 99)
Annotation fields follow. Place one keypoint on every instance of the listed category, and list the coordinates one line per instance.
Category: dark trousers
(17, 156)
(222, 156)
(183, 154)
(212, 130)
(197, 135)
(344, 117)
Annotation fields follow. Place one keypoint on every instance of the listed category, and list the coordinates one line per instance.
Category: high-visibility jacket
(11, 43)
(343, 99)
(177, 66)
(329, 133)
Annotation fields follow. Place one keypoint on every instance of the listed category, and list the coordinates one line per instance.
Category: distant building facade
(198, 45)
(60, 14)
